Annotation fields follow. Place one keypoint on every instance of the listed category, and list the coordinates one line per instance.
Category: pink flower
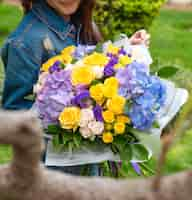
(96, 127)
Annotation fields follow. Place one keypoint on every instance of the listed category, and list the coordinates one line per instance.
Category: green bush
(125, 16)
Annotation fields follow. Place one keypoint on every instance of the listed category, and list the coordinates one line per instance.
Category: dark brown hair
(89, 33)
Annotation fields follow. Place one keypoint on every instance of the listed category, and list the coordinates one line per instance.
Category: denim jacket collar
(54, 21)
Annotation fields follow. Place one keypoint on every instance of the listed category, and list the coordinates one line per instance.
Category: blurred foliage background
(114, 17)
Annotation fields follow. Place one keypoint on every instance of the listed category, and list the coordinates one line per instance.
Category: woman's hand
(140, 37)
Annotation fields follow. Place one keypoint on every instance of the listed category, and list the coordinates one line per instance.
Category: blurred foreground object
(25, 179)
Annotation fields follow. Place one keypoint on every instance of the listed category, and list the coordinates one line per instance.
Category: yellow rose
(123, 119)
(125, 60)
(116, 104)
(82, 75)
(45, 67)
(67, 54)
(69, 118)
(119, 128)
(96, 59)
(109, 91)
(112, 49)
(68, 50)
(108, 116)
(107, 137)
(110, 87)
(96, 92)
(112, 81)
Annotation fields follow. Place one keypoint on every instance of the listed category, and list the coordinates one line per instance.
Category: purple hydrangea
(54, 97)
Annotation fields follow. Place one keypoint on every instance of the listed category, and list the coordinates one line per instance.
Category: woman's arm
(21, 72)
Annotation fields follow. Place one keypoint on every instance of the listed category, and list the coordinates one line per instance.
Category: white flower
(86, 132)
(96, 127)
(98, 71)
(87, 116)
(42, 79)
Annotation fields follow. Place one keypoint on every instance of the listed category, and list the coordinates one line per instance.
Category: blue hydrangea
(147, 94)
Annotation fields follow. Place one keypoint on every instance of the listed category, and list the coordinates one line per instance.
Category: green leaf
(60, 139)
(99, 48)
(55, 141)
(30, 97)
(167, 72)
(77, 140)
(126, 153)
(139, 152)
(53, 129)
(156, 125)
(67, 137)
(123, 147)
(74, 61)
(63, 66)
(95, 82)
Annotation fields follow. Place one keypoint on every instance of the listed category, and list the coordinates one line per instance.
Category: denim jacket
(24, 52)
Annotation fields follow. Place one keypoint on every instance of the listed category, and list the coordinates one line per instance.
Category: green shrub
(125, 16)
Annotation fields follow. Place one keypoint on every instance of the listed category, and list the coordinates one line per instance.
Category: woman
(59, 23)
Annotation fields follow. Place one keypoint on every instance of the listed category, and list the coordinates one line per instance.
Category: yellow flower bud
(108, 127)
(107, 137)
(119, 128)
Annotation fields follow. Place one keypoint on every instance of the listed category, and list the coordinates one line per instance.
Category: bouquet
(100, 97)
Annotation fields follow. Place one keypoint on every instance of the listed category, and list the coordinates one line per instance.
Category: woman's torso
(28, 41)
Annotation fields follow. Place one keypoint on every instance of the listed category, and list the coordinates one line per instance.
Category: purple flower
(122, 51)
(97, 110)
(54, 97)
(109, 71)
(81, 99)
(55, 67)
(109, 68)
(136, 167)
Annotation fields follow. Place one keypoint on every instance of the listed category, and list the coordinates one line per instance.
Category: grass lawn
(171, 43)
